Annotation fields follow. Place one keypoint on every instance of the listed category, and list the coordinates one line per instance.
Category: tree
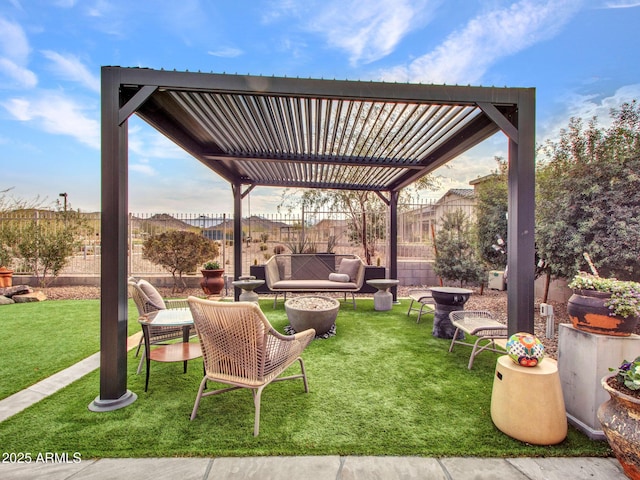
(456, 257)
(179, 251)
(366, 211)
(588, 197)
(47, 242)
(491, 215)
(9, 227)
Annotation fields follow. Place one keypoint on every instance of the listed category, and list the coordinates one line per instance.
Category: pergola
(306, 133)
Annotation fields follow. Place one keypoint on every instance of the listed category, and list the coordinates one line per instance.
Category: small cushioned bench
(310, 273)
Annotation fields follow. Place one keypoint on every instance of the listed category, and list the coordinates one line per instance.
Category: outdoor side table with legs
(173, 352)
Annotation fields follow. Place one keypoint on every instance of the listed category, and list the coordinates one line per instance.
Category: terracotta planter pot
(212, 281)
(6, 277)
(587, 312)
(620, 419)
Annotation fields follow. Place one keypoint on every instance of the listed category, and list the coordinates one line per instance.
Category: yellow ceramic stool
(527, 402)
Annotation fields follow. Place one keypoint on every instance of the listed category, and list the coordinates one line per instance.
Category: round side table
(447, 299)
(527, 402)
(383, 298)
(248, 286)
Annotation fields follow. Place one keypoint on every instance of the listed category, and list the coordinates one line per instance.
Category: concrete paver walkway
(320, 468)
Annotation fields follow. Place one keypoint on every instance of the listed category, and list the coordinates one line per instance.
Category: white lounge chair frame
(481, 324)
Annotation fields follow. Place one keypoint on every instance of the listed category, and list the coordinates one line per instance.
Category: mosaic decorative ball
(525, 349)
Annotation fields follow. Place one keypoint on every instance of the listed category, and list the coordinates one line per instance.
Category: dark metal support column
(113, 304)
(393, 244)
(521, 221)
(237, 235)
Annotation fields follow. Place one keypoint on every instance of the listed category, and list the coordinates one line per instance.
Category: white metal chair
(490, 333)
(425, 300)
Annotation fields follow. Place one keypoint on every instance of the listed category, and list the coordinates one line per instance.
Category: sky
(581, 56)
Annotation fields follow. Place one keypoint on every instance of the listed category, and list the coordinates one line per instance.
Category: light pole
(65, 200)
(204, 225)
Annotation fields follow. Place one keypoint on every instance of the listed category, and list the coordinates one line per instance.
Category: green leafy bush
(456, 257)
(179, 251)
(625, 295)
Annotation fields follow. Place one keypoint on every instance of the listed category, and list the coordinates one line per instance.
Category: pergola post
(237, 235)
(113, 279)
(521, 221)
(393, 244)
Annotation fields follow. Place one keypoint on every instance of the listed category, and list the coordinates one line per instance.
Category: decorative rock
(30, 297)
(5, 300)
(15, 290)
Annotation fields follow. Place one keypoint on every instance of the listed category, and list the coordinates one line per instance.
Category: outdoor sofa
(311, 273)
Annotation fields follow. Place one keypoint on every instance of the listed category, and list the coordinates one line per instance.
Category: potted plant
(605, 306)
(620, 415)
(6, 257)
(212, 281)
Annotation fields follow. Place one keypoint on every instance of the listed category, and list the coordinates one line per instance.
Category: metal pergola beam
(314, 88)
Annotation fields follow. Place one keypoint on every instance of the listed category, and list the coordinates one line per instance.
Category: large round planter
(311, 311)
(587, 312)
(620, 419)
(212, 281)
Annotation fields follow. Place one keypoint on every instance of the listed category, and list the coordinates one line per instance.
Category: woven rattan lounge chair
(240, 348)
(425, 300)
(147, 300)
(489, 332)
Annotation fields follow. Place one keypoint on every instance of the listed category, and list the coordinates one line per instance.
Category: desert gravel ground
(491, 300)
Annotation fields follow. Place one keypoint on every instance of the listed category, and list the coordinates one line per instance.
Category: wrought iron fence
(262, 235)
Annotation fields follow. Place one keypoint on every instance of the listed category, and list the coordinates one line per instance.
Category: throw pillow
(154, 296)
(350, 266)
(339, 277)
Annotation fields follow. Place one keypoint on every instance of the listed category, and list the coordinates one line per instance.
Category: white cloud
(146, 142)
(13, 41)
(586, 107)
(55, 113)
(71, 68)
(623, 4)
(144, 168)
(14, 55)
(367, 30)
(24, 77)
(226, 52)
(467, 54)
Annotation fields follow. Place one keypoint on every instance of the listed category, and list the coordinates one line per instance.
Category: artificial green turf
(42, 338)
(382, 386)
